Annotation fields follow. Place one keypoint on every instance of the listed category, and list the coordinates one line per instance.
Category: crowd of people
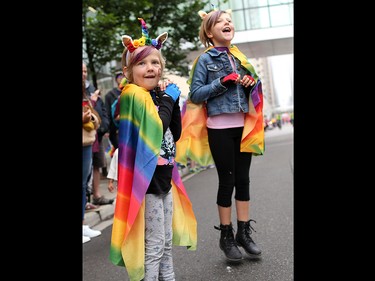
(153, 136)
(93, 153)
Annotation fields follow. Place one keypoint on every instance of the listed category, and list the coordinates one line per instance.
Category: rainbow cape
(193, 143)
(140, 136)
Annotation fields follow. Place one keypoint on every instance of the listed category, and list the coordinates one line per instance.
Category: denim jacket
(206, 86)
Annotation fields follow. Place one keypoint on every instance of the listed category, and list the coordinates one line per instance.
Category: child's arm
(112, 172)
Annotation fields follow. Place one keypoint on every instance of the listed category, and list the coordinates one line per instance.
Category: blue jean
(86, 168)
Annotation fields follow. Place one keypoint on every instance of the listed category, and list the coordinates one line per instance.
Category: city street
(272, 205)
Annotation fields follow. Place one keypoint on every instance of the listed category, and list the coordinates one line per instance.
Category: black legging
(233, 166)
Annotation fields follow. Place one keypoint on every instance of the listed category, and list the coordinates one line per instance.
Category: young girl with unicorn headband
(153, 210)
(223, 125)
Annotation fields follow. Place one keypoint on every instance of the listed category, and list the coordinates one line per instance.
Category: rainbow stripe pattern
(193, 142)
(253, 132)
(140, 135)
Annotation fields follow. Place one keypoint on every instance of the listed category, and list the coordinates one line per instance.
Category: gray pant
(158, 236)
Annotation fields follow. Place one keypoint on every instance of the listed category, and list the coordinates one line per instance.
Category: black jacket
(100, 108)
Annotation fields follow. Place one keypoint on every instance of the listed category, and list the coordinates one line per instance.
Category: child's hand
(247, 81)
(231, 78)
(86, 116)
(173, 91)
(111, 187)
(95, 95)
(163, 84)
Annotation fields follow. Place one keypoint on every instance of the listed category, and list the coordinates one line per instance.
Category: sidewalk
(102, 217)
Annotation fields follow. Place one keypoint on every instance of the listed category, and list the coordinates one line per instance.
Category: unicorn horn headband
(131, 45)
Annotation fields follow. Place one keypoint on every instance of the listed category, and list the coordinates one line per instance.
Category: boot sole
(230, 259)
(250, 254)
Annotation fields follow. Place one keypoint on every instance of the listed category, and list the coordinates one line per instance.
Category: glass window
(218, 5)
(259, 18)
(276, 2)
(239, 22)
(255, 3)
(236, 5)
(280, 15)
(224, 6)
(291, 13)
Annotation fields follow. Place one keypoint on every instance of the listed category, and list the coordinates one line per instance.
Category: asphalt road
(271, 178)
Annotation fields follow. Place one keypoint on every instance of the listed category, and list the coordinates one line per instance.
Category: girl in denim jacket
(223, 79)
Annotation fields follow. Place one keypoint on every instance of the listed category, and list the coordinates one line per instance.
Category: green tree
(105, 21)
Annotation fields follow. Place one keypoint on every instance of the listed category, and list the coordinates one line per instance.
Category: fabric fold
(140, 136)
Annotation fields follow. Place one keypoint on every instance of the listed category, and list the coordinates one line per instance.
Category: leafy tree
(103, 27)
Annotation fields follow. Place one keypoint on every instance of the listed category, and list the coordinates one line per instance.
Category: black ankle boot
(227, 243)
(244, 240)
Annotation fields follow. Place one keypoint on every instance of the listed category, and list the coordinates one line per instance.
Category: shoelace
(250, 227)
(248, 231)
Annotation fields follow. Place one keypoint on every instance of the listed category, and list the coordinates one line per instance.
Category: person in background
(225, 84)
(112, 172)
(90, 123)
(148, 178)
(110, 98)
(99, 159)
(292, 118)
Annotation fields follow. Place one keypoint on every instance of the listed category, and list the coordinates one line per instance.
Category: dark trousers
(233, 166)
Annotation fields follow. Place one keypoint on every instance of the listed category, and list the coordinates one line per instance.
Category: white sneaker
(85, 239)
(87, 231)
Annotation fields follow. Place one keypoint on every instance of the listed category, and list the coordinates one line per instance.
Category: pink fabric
(95, 145)
(226, 120)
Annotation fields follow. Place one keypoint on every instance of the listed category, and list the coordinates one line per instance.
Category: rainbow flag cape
(193, 143)
(140, 135)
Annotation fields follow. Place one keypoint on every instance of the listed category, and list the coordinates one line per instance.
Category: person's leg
(87, 233)
(154, 235)
(242, 183)
(96, 183)
(98, 162)
(86, 167)
(222, 149)
(166, 264)
(242, 197)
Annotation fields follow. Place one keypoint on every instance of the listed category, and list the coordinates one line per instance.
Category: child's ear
(202, 14)
(126, 40)
(162, 37)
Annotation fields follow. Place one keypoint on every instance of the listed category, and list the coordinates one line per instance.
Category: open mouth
(226, 29)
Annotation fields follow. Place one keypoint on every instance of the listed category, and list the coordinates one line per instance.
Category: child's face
(147, 72)
(222, 32)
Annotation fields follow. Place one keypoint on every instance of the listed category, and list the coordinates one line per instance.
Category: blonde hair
(128, 59)
(208, 22)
